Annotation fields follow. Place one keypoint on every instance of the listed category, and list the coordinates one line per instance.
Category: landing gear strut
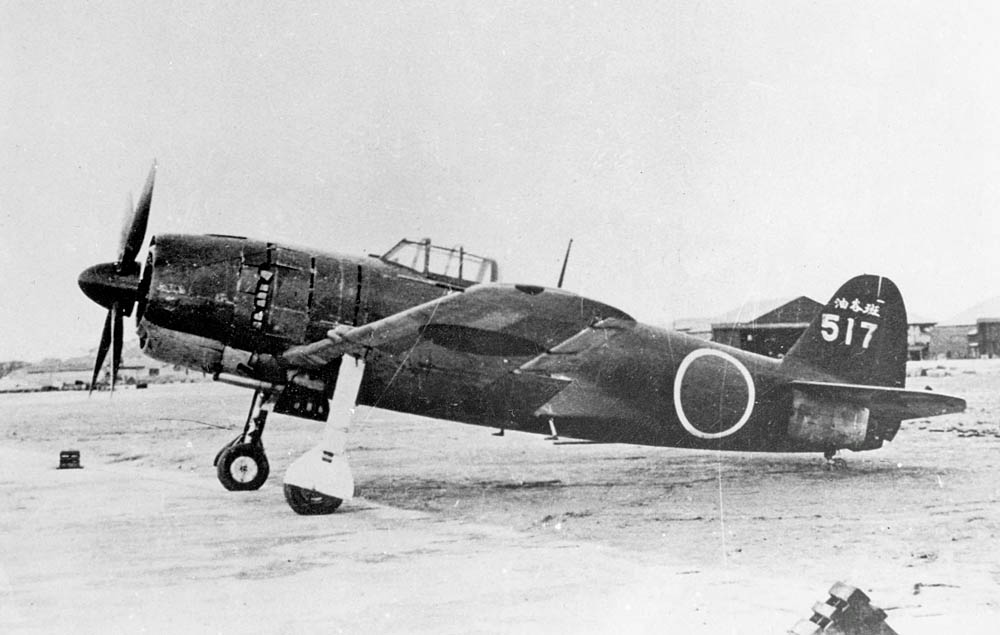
(320, 480)
(241, 465)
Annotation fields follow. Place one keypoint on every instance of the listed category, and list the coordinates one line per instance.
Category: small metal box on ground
(69, 460)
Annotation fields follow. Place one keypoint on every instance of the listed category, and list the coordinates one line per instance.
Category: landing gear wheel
(242, 467)
(837, 464)
(310, 503)
(833, 462)
(218, 455)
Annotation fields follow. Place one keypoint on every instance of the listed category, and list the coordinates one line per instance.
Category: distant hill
(986, 309)
(7, 368)
(131, 356)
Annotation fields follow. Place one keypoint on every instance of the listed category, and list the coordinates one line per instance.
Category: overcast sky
(700, 154)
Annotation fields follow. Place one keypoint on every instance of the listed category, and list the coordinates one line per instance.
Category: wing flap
(583, 401)
(885, 402)
(576, 360)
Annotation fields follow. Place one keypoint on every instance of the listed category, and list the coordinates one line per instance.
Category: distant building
(61, 375)
(771, 327)
(695, 327)
(75, 373)
(973, 333)
(766, 327)
(951, 341)
(984, 340)
(918, 338)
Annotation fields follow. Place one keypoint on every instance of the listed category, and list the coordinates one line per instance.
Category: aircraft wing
(489, 319)
(886, 402)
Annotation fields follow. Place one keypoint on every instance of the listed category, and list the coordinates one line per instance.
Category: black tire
(242, 467)
(218, 455)
(310, 503)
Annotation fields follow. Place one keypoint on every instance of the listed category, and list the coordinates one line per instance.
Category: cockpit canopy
(449, 264)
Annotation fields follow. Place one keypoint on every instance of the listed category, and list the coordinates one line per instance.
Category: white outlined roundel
(679, 380)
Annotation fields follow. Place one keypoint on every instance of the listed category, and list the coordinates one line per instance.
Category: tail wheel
(309, 502)
(242, 467)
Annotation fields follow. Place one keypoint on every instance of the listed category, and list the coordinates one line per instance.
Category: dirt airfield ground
(456, 531)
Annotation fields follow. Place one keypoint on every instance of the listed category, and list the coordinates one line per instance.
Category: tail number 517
(830, 328)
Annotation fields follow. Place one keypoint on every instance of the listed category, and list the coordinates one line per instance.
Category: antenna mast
(562, 274)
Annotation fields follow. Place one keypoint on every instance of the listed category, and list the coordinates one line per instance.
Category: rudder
(860, 335)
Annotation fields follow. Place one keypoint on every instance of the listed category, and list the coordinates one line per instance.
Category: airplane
(430, 331)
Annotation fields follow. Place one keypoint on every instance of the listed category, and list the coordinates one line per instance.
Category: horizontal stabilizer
(885, 402)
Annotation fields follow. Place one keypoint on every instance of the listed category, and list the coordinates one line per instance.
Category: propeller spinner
(115, 285)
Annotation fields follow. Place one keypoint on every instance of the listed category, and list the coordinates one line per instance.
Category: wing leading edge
(496, 320)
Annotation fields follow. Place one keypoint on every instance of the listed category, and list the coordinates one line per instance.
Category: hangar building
(972, 333)
(771, 327)
(766, 327)
(919, 336)
(984, 339)
(75, 373)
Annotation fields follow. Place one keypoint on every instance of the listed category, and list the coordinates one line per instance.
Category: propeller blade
(115, 284)
(102, 349)
(136, 229)
(127, 219)
(117, 337)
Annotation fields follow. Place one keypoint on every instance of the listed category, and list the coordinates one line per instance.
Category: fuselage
(230, 306)
(631, 383)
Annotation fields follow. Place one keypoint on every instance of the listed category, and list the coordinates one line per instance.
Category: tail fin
(860, 335)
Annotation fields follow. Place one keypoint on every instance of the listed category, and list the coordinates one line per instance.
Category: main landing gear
(320, 480)
(307, 502)
(241, 465)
